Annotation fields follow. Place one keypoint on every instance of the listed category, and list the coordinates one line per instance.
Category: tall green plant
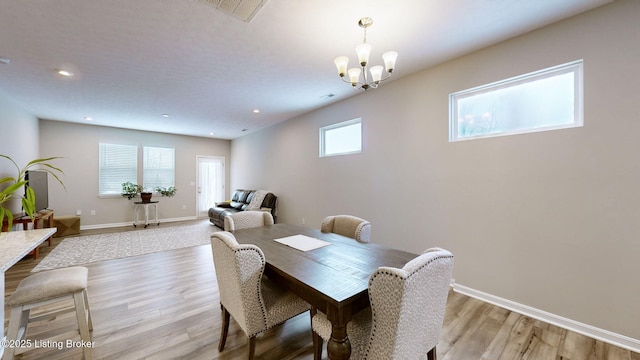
(17, 183)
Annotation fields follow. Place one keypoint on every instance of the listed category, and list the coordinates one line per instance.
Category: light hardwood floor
(165, 306)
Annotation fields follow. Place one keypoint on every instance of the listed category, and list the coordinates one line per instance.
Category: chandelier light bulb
(389, 59)
(376, 73)
(341, 63)
(363, 50)
(354, 75)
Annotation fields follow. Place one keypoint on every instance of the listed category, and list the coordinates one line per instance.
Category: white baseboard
(130, 223)
(565, 323)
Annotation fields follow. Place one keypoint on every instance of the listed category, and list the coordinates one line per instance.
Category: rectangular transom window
(341, 139)
(547, 99)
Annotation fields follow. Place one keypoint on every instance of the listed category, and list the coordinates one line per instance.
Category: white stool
(42, 289)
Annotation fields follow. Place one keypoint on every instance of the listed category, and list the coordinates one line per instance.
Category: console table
(146, 205)
(13, 247)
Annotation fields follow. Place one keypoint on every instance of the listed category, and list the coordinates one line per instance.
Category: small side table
(146, 212)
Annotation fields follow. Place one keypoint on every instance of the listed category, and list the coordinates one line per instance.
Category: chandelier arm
(386, 78)
(345, 80)
(349, 82)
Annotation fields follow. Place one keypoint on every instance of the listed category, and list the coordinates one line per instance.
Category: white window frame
(575, 67)
(325, 132)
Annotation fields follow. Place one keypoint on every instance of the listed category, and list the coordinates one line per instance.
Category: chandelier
(363, 50)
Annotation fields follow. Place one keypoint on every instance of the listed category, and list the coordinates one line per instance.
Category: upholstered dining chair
(247, 219)
(406, 313)
(255, 302)
(349, 226)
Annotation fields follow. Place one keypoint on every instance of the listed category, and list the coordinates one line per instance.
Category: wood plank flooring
(165, 306)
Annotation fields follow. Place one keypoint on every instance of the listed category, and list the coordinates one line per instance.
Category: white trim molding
(565, 323)
(130, 223)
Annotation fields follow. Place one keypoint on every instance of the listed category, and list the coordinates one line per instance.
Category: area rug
(88, 249)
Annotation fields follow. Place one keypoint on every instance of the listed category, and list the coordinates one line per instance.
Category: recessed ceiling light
(4, 61)
(88, 118)
(211, 133)
(256, 111)
(65, 73)
(165, 115)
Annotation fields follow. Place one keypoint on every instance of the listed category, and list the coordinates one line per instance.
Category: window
(117, 164)
(158, 168)
(341, 139)
(543, 100)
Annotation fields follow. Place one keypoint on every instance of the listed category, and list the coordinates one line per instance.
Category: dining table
(333, 278)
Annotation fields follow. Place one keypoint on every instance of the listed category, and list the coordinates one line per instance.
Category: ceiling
(134, 61)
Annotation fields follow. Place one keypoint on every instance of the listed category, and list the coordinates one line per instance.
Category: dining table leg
(338, 346)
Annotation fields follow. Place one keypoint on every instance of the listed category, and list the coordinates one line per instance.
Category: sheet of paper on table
(302, 242)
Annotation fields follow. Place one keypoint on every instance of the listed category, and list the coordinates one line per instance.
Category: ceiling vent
(243, 10)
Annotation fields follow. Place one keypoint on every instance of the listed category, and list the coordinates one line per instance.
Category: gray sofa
(243, 200)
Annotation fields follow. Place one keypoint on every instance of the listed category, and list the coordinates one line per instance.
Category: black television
(37, 180)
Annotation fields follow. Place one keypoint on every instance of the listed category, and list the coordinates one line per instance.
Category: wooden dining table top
(337, 274)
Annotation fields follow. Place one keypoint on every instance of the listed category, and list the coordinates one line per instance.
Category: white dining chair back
(406, 314)
(349, 226)
(254, 302)
(247, 219)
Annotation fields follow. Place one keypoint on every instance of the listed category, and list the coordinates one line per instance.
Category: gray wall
(18, 139)
(548, 219)
(78, 145)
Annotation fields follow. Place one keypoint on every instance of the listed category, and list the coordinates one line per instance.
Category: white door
(210, 183)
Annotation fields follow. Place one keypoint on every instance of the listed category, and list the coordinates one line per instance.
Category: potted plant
(164, 191)
(14, 184)
(130, 190)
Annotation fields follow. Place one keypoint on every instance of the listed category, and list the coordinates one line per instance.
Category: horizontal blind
(118, 164)
(158, 168)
